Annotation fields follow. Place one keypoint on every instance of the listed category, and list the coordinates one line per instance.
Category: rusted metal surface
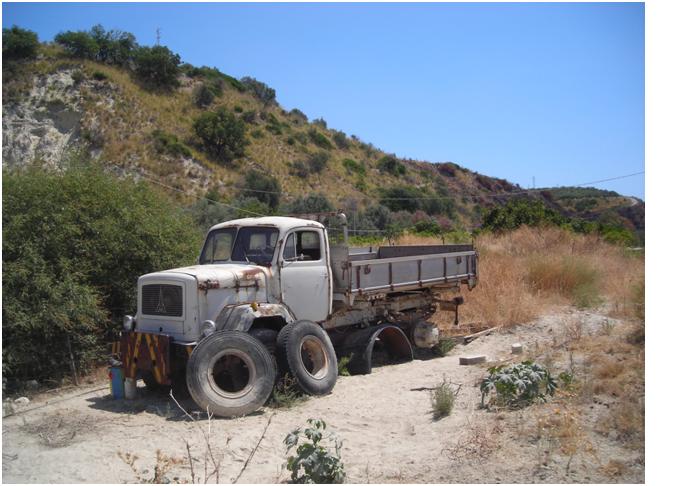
(146, 352)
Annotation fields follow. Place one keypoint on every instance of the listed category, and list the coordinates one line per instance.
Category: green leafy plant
(343, 365)
(444, 346)
(167, 143)
(517, 386)
(221, 134)
(443, 399)
(286, 393)
(157, 66)
(313, 462)
(319, 139)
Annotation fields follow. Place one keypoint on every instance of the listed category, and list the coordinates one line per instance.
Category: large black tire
(231, 373)
(304, 350)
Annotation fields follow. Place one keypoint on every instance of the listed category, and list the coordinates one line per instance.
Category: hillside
(57, 103)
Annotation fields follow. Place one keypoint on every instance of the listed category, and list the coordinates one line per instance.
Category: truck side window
(302, 246)
(308, 244)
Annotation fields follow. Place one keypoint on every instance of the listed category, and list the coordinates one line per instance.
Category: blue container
(116, 382)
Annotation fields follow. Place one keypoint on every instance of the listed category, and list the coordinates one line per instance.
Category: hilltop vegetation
(143, 111)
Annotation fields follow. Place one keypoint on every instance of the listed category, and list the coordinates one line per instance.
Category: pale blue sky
(554, 91)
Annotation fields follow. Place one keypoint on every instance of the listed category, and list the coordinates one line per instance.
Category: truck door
(305, 275)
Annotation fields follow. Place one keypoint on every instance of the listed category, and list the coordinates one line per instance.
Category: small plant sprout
(313, 461)
(517, 385)
(443, 399)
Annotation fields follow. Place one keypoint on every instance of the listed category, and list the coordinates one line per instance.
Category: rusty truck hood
(222, 275)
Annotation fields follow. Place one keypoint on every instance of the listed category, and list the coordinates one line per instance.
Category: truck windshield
(251, 244)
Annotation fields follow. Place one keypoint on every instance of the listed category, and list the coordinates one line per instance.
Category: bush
(18, 43)
(262, 91)
(313, 203)
(300, 169)
(401, 198)
(517, 386)
(313, 462)
(263, 187)
(202, 96)
(214, 77)
(391, 165)
(77, 76)
(167, 143)
(73, 246)
(114, 46)
(286, 393)
(318, 161)
(352, 166)
(157, 66)
(319, 139)
(78, 44)
(298, 115)
(99, 76)
(443, 399)
(222, 134)
(249, 117)
(444, 346)
(341, 140)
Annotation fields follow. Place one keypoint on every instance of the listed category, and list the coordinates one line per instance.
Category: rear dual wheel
(305, 350)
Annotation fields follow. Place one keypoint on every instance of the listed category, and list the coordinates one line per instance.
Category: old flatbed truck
(271, 295)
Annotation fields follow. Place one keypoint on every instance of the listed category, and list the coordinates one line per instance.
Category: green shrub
(114, 46)
(222, 134)
(516, 386)
(77, 76)
(73, 246)
(300, 169)
(443, 399)
(300, 137)
(257, 133)
(238, 109)
(18, 43)
(249, 117)
(312, 203)
(286, 393)
(319, 139)
(444, 346)
(391, 165)
(343, 365)
(99, 76)
(202, 96)
(352, 167)
(291, 141)
(341, 140)
(260, 90)
(320, 122)
(78, 44)
(298, 115)
(401, 198)
(318, 161)
(313, 461)
(168, 144)
(264, 187)
(157, 66)
(213, 76)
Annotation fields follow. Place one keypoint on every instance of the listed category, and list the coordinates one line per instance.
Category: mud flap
(360, 344)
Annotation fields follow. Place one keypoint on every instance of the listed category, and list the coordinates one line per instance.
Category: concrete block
(517, 348)
(470, 360)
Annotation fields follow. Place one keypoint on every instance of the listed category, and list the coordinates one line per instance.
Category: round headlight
(128, 323)
(207, 328)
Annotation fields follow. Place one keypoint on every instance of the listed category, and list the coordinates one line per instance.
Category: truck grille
(162, 300)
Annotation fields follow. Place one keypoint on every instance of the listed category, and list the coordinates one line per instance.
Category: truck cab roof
(284, 223)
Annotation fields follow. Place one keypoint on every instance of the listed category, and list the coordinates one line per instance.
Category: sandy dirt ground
(384, 419)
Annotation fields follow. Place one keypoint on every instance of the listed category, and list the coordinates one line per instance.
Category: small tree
(391, 165)
(222, 134)
(157, 66)
(202, 96)
(114, 46)
(78, 44)
(18, 43)
(318, 161)
(261, 90)
(263, 187)
(313, 203)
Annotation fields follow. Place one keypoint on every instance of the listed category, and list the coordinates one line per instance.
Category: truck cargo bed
(364, 271)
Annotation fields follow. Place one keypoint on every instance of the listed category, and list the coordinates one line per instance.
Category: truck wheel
(231, 373)
(305, 349)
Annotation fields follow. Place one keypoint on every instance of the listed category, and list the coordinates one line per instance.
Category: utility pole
(533, 182)
(158, 35)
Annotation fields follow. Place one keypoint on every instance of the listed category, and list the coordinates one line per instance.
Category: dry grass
(525, 272)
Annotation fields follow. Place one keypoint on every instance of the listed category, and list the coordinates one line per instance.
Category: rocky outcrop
(44, 124)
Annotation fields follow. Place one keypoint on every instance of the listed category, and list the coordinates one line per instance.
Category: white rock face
(44, 124)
